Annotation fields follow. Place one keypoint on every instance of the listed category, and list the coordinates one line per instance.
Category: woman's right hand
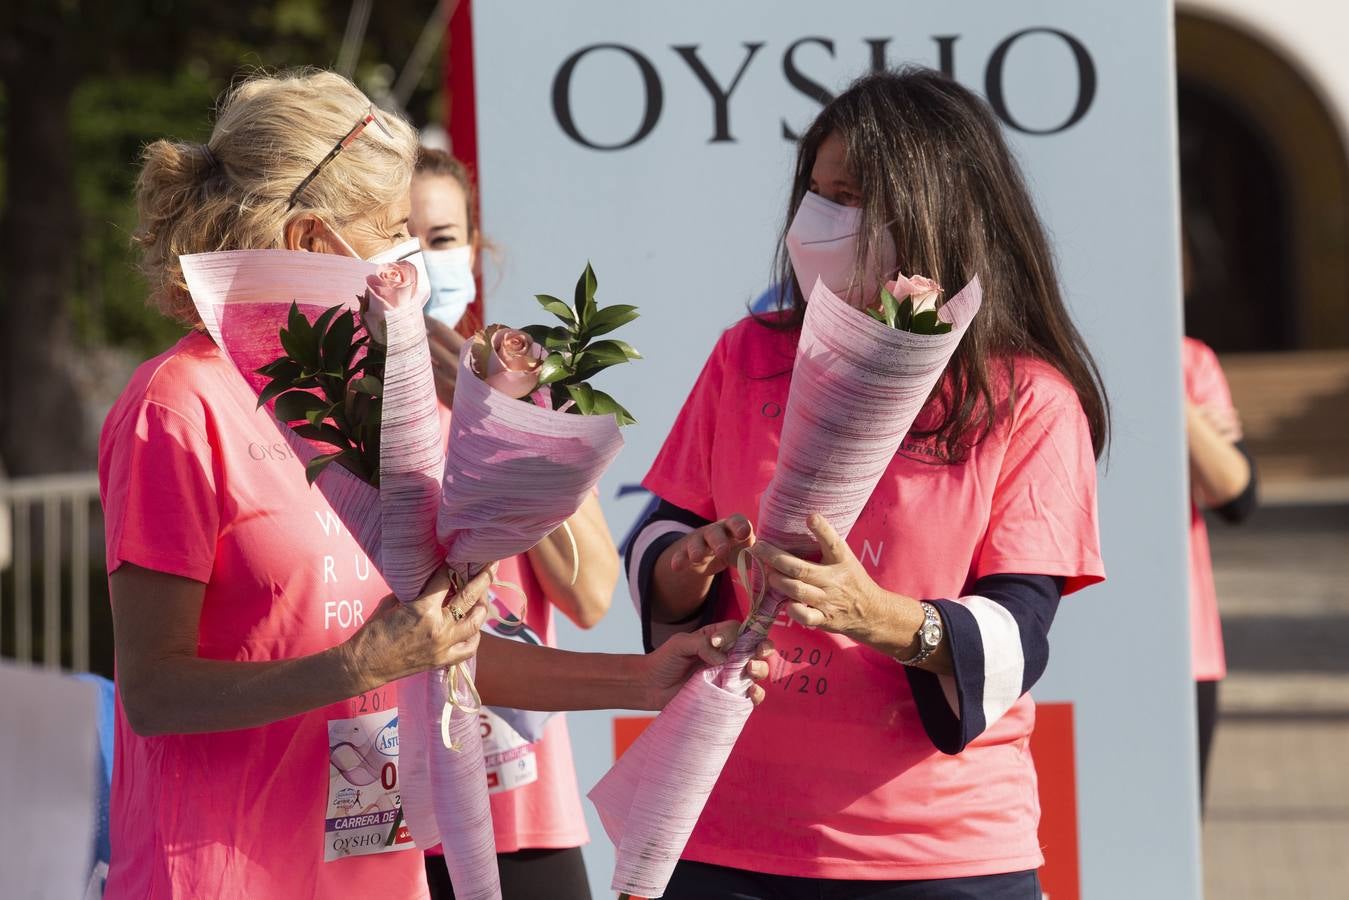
(712, 548)
(401, 639)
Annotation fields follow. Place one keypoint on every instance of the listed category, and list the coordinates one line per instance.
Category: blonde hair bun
(231, 193)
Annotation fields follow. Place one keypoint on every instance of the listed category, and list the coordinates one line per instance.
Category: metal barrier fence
(45, 530)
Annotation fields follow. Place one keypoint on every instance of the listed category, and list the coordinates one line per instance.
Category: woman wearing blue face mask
(536, 807)
(443, 217)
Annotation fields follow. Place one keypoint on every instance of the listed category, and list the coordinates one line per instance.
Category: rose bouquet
(858, 382)
(352, 387)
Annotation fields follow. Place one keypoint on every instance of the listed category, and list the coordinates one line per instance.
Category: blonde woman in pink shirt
(891, 760)
(536, 805)
(255, 644)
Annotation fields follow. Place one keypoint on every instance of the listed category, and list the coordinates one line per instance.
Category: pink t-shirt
(1205, 385)
(834, 776)
(535, 801)
(197, 482)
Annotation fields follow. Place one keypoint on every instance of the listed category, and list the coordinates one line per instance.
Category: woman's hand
(683, 574)
(683, 654)
(712, 548)
(401, 639)
(445, 345)
(835, 594)
(1219, 473)
(1225, 421)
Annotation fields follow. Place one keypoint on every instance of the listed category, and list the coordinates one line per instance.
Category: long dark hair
(938, 179)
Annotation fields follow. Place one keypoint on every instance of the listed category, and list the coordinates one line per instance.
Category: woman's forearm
(892, 629)
(593, 560)
(182, 695)
(524, 676)
(167, 689)
(1218, 470)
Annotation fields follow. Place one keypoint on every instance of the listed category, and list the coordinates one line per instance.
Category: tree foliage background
(84, 86)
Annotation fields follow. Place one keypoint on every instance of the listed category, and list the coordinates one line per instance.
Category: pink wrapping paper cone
(513, 474)
(677, 758)
(857, 386)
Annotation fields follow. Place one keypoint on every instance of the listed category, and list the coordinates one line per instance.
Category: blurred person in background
(536, 805)
(229, 666)
(1222, 481)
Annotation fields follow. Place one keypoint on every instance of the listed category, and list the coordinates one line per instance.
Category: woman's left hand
(683, 654)
(835, 594)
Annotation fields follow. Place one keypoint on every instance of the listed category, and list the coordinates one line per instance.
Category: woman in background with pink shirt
(1222, 481)
(536, 805)
(891, 759)
(254, 652)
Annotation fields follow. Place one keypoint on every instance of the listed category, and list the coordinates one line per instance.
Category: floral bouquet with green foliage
(350, 383)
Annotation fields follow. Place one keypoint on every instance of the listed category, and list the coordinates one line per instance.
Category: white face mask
(822, 244)
(453, 287)
(409, 250)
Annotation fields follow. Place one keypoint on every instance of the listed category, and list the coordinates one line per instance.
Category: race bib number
(510, 758)
(365, 813)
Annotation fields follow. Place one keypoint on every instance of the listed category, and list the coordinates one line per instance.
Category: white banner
(654, 141)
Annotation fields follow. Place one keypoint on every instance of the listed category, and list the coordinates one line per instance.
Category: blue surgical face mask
(452, 285)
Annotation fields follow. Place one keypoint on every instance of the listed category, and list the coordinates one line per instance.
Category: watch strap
(930, 617)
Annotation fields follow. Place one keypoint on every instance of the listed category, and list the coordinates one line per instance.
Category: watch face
(931, 634)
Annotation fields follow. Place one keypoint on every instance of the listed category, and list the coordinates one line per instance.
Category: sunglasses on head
(361, 124)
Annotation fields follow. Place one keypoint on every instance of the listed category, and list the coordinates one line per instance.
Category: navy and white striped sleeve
(999, 641)
(666, 524)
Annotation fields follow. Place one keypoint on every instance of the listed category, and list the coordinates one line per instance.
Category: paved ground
(1278, 812)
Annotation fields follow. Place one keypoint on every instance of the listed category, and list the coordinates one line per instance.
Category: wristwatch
(929, 635)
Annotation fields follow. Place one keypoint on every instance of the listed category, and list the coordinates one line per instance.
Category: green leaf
(905, 315)
(295, 320)
(337, 341)
(322, 414)
(890, 307)
(586, 367)
(369, 385)
(942, 328)
(296, 349)
(602, 403)
(323, 321)
(557, 308)
(272, 390)
(584, 395)
(924, 323)
(318, 464)
(878, 315)
(372, 461)
(294, 405)
(559, 339)
(585, 295)
(356, 346)
(553, 368)
(618, 351)
(537, 333)
(302, 333)
(323, 432)
(609, 318)
(284, 367)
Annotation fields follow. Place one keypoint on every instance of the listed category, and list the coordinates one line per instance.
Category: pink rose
(508, 360)
(924, 291)
(392, 286)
